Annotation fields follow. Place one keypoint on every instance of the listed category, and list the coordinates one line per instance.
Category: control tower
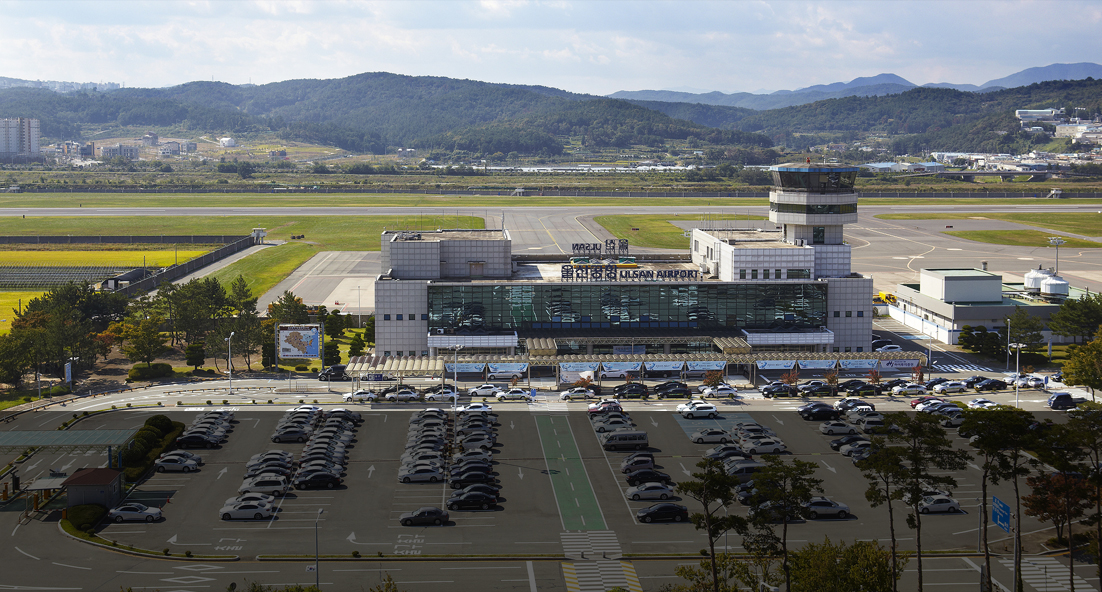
(811, 203)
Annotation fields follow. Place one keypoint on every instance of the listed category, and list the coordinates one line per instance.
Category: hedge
(134, 468)
(157, 370)
(85, 517)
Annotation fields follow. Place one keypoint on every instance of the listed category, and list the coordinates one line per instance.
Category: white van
(625, 440)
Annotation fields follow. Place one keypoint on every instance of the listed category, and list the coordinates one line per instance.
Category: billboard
(298, 341)
(578, 366)
(477, 367)
(817, 364)
(857, 364)
(905, 364)
(707, 366)
(776, 364)
(665, 366)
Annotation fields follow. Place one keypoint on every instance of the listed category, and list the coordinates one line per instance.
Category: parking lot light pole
(1017, 369)
(317, 574)
(229, 359)
(455, 389)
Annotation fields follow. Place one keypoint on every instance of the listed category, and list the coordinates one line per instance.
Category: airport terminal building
(749, 291)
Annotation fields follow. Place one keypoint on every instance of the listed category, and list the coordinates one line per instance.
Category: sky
(595, 47)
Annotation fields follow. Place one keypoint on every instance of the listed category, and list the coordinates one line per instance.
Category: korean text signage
(612, 273)
(611, 247)
(1000, 514)
(298, 341)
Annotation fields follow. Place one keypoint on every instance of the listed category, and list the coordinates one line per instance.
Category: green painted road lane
(578, 507)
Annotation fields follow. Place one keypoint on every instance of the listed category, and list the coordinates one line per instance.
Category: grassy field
(490, 200)
(656, 231)
(160, 258)
(263, 270)
(1084, 223)
(1020, 238)
(9, 301)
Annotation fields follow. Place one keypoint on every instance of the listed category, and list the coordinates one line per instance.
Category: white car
(360, 396)
(403, 395)
(691, 404)
(938, 503)
(603, 401)
(444, 394)
(182, 454)
(857, 446)
(722, 390)
(246, 511)
(819, 506)
(929, 403)
(475, 408)
(250, 498)
(578, 392)
(649, 491)
(981, 403)
(765, 446)
(134, 511)
(705, 387)
(909, 389)
(618, 373)
(505, 375)
(711, 435)
(708, 411)
(836, 427)
(515, 394)
(274, 485)
(484, 390)
(176, 463)
(889, 348)
(953, 386)
(420, 473)
(466, 455)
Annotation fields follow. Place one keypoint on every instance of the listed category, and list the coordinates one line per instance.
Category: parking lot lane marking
(72, 566)
(381, 569)
(657, 542)
(427, 582)
(531, 576)
(27, 554)
(146, 573)
(492, 567)
(559, 474)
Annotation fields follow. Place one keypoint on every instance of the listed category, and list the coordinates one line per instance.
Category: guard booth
(95, 486)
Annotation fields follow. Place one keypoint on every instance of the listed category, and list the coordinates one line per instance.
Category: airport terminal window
(849, 313)
(425, 317)
(386, 354)
(860, 313)
(806, 209)
(799, 274)
(818, 235)
(412, 317)
(860, 349)
(776, 274)
(742, 274)
(837, 314)
(412, 353)
(424, 352)
(397, 317)
(386, 317)
(753, 274)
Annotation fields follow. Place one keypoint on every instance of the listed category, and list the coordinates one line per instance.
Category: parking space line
(557, 466)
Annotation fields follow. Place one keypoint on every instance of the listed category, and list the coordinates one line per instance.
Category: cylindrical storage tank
(1034, 278)
(1054, 286)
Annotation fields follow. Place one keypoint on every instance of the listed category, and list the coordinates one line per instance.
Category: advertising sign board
(298, 341)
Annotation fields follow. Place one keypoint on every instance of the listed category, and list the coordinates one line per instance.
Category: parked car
(514, 394)
(664, 511)
(836, 427)
(134, 511)
(484, 390)
(766, 446)
(711, 435)
(840, 442)
(780, 390)
(909, 389)
(578, 392)
(1061, 400)
(424, 516)
(708, 411)
(319, 479)
(951, 386)
(360, 396)
(889, 348)
(991, 384)
(474, 408)
(938, 503)
(175, 463)
(648, 476)
(471, 500)
(818, 413)
(246, 510)
(820, 506)
(649, 491)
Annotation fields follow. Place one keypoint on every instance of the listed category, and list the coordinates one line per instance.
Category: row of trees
(913, 456)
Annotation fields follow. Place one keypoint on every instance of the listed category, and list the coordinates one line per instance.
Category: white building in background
(19, 136)
(227, 142)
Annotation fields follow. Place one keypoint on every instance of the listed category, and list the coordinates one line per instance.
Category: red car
(921, 400)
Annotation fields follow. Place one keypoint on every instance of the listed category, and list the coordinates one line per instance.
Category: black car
(470, 478)
(676, 392)
(865, 390)
(471, 500)
(629, 387)
(665, 511)
(491, 489)
(822, 390)
(819, 413)
(780, 390)
(195, 441)
(775, 512)
(930, 384)
(840, 442)
(726, 453)
(851, 384)
(991, 384)
(472, 466)
(887, 386)
(648, 476)
(973, 381)
(317, 480)
(630, 391)
(671, 384)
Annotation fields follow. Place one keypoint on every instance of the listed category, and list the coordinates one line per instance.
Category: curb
(145, 555)
(414, 558)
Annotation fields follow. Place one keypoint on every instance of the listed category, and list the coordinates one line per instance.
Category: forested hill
(933, 117)
(370, 112)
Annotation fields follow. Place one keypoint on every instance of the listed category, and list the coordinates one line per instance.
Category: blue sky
(595, 47)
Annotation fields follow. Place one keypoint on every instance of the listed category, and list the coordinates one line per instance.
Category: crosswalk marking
(961, 368)
(599, 576)
(1046, 573)
(591, 544)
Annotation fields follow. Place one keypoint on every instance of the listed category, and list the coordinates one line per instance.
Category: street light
(229, 358)
(359, 310)
(455, 382)
(317, 574)
(1056, 241)
(1017, 369)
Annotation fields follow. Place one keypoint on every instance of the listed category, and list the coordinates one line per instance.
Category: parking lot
(560, 491)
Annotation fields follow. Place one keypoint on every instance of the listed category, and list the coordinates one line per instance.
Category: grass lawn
(656, 231)
(1020, 238)
(1084, 223)
(9, 301)
(159, 258)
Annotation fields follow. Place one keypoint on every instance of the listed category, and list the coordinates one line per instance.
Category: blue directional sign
(1000, 514)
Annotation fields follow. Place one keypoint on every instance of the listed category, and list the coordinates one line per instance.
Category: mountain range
(869, 86)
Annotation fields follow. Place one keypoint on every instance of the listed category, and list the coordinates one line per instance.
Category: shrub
(269, 401)
(85, 414)
(86, 515)
(187, 553)
(128, 404)
(300, 368)
(356, 554)
(225, 402)
(208, 401)
(165, 551)
(113, 407)
(157, 370)
(179, 403)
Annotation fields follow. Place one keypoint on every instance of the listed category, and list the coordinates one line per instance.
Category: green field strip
(578, 506)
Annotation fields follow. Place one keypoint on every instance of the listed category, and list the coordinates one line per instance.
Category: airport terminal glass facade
(647, 307)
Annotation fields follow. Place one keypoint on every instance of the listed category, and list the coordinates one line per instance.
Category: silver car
(649, 491)
(822, 507)
(420, 474)
(176, 463)
(711, 435)
(134, 511)
(246, 510)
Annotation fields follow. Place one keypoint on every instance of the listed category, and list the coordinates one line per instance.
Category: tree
(144, 341)
(791, 377)
(714, 490)
(249, 336)
(873, 377)
(240, 296)
(1058, 445)
(1079, 318)
(1084, 364)
(245, 169)
(195, 355)
(1085, 425)
(334, 325)
(1023, 328)
(369, 329)
(996, 433)
(331, 353)
(926, 453)
(13, 360)
(787, 486)
(830, 567)
(886, 475)
(831, 378)
(356, 346)
(289, 309)
(966, 339)
(1056, 498)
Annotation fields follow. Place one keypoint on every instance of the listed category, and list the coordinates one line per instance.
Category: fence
(178, 271)
(47, 277)
(120, 239)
